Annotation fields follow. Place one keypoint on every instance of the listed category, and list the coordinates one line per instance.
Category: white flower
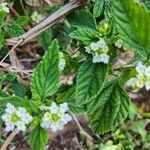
(132, 82)
(36, 17)
(21, 111)
(10, 109)
(94, 46)
(140, 83)
(66, 118)
(63, 107)
(104, 58)
(47, 116)
(96, 59)
(88, 50)
(5, 7)
(147, 71)
(62, 64)
(45, 124)
(147, 85)
(53, 108)
(20, 126)
(26, 118)
(42, 107)
(6, 117)
(140, 68)
(55, 118)
(54, 127)
(101, 43)
(16, 118)
(119, 43)
(9, 126)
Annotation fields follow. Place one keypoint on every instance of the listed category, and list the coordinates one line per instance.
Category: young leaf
(139, 127)
(90, 80)
(98, 8)
(21, 21)
(133, 23)
(109, 108)
(1, 38)
(45, 38)
(15, 30)
(3, 15)
(18, 88)
(38, 138)
(45, 79)
(84, 35)
(83, 19)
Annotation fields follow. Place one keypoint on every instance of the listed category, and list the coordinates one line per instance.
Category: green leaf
(21, 21)
(84, 35)
(2, 18)
(69, 97)
(109, 108)
(18, 88)
(38, 138)
(83, 19)
(139, 127)
(133, 23)
(45, 38)
(4, 99)
(90, 80)
(45, 79)
(98, 8)
(14, 30)
(1, 39)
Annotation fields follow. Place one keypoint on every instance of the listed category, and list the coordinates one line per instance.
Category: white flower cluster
(4, 7)
(37, 17)
(142, 78)
(99, 51)
(62, 62)
(16, 118)
(55, 117)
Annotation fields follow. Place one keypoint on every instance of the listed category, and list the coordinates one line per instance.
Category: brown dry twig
(46, 23)
(8, 140)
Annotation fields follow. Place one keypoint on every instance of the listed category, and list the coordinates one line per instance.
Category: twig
(15, 69)
(48, 22)
(82, 131)
(11, 50)
(8, 140)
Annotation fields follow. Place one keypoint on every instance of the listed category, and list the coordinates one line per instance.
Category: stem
(11, 51)
(48, 22)
(82, 131)
(8, 140)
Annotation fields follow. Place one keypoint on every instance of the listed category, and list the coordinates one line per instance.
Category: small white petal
(147, 85)
(63, 107)
(140, 68)
(6, 117)
(54, 108)
(9, 126)
(147, 71)
(94, 46)
(104, 58)
(101, 43)
(20, 126)
(66, 118)
(132, 82)
(88, 50)
(62, 64)
(10, 109)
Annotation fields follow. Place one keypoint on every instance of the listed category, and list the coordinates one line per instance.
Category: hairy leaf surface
(133, 23)
(45, 80)
(109, 108)
(38, 138)
(90, 80)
